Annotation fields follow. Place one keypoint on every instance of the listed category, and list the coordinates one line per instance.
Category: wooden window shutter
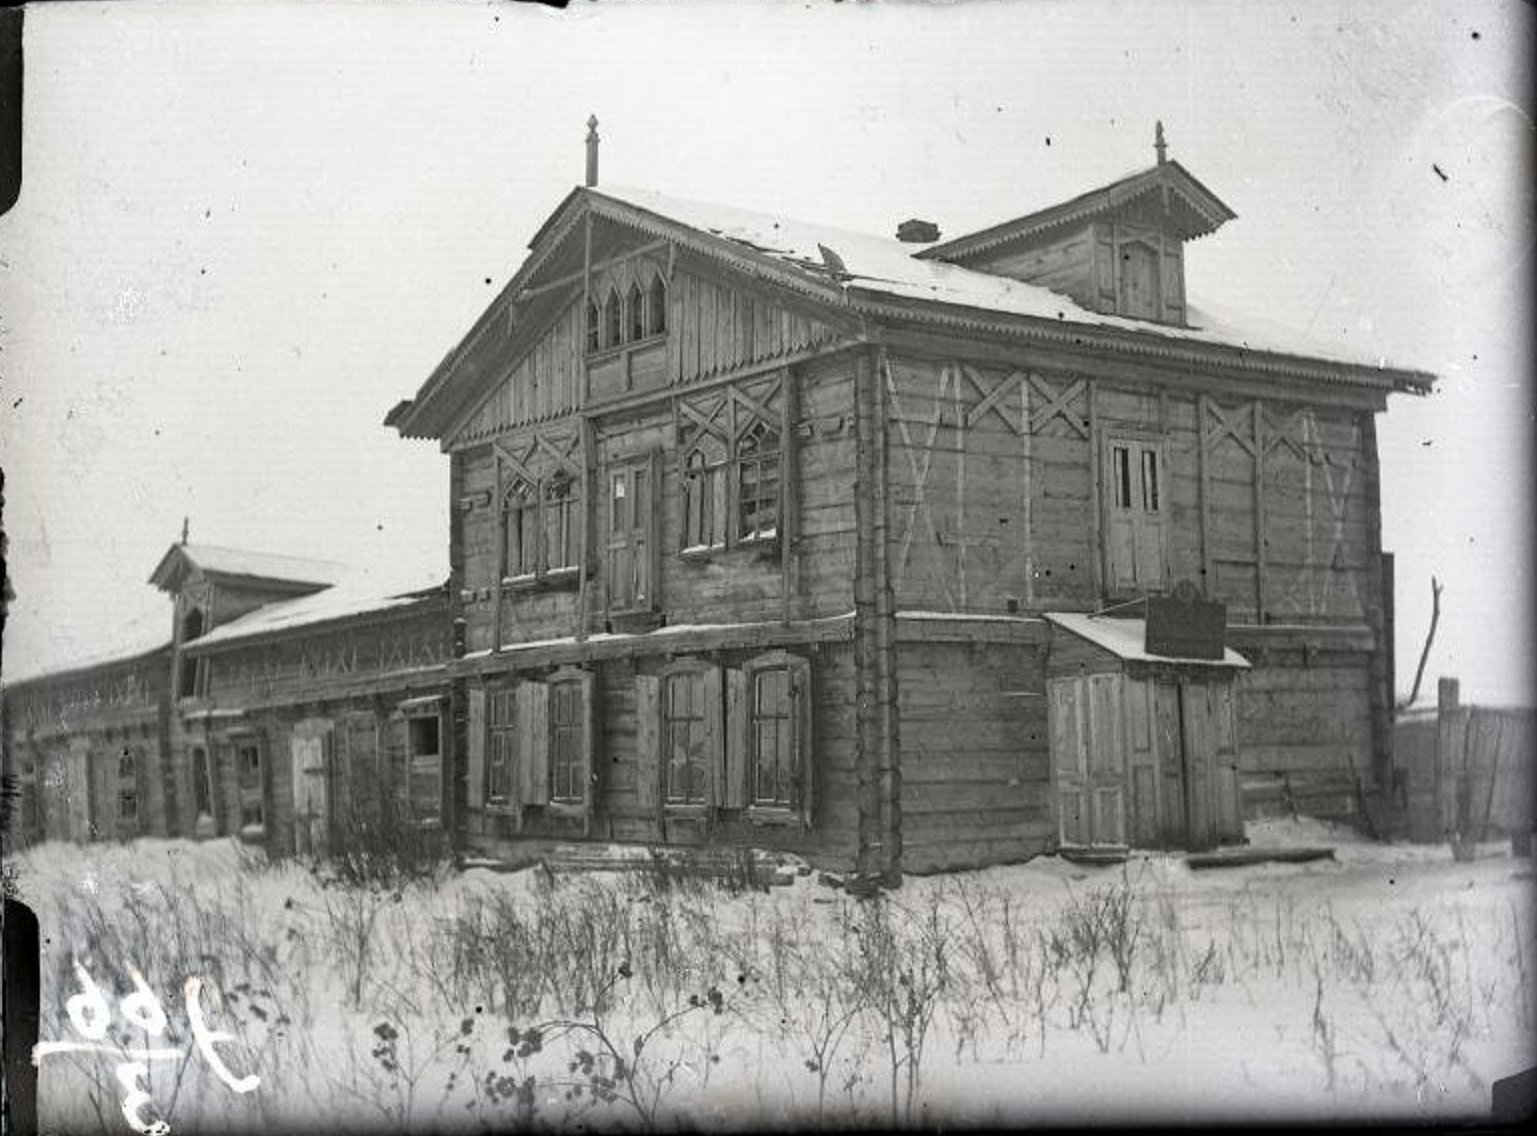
(800, 710)
(398, 781)
(101, 766)
(715, 737)
(588, 681)
(648, 743)
(475, 756)
(533, 743)
(738, 756)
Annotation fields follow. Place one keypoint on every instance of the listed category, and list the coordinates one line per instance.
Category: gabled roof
(213, 560)
(1194, 211)
(853, 276)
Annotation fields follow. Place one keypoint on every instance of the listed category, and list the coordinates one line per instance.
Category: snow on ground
(1388, 982)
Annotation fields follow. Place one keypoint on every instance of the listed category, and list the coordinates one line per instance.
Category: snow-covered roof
(890, 267)
(1125, 638)
(245, 562)
(361, 592)
(134, 639)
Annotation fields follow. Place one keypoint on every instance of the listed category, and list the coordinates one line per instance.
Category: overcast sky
(246, 230)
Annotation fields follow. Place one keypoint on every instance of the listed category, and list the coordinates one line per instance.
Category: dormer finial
(592, 150)
(186, 524)
(1158, 143)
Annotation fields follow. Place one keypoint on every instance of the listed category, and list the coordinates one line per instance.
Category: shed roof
(1125, 638)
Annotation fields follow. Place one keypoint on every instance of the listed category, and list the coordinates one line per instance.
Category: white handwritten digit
(88, 1010)
(141, 1007)
(135, 1098)
(206, 1038)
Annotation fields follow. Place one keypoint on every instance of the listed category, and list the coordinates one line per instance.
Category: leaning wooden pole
(1435, 616)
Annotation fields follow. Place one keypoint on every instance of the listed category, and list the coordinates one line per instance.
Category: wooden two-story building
(770, 534)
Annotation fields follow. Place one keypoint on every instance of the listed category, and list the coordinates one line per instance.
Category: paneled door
(312, 811)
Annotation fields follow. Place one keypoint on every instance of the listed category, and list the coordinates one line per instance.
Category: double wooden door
(1149, 762)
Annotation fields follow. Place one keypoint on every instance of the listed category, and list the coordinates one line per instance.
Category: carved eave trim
(1148, 345)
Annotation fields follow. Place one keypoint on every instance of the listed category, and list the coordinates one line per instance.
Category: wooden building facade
(766, 534)
(770, 534)
(288, 709)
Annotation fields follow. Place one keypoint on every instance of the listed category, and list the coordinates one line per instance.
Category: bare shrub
(905, 969)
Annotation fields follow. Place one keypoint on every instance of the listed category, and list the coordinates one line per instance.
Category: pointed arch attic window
(613, 319)
(658, 324)
(637, 312)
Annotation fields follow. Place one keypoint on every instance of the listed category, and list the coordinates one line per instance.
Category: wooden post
(1096, 506)
(876, 774)
(1379, 608)
(789, 491)
(1027, 427)
(1208, 581)
(587, 512)
(1259, 511)
(1446, 772)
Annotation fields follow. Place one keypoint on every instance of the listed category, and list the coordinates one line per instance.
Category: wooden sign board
(1185, 626)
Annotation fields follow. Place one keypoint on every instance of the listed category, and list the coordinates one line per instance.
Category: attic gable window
(632, 310)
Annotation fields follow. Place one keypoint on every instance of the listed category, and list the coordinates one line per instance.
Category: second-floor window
(1134, 514)
(541, 527)
(631, 536)
(617, 316)
(730, 493)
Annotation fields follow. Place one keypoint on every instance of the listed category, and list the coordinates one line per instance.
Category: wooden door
(1064, 709)
(1211, 762)
(311, 789)
(1088, 759)
(1169, 734)
(1143, 775)
(1107, 759)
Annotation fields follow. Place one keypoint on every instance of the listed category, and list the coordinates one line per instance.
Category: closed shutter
(397, 781)
(1068, 760)
(101, 767)
(588, 682)
(475, 753)
(801, 703)
(715, 737)
(738, 756)
(533, 743)
(648, 743)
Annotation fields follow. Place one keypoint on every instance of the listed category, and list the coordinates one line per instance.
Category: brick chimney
(916, 232)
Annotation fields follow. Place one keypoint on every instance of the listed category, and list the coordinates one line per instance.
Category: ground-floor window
(531, 743)
(127, 791)
(424, 768)
(248, 766)
(735, 737)
(202, 783)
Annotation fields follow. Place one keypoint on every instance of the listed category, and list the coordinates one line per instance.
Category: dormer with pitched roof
(1116, 250)
(210, 586)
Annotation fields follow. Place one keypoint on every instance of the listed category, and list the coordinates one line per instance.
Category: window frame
(412, 713)
(705, 686)
(126, 788)
(760, 446)
(625, 310)
(248, 795)
(640, 539)
(501, 749)
(800, 692)
(530, 518)
(1129, 499)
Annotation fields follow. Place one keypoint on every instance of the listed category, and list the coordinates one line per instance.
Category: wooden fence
(1462, 773)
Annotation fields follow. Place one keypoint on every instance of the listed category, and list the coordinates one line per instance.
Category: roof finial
(186, 523)
(1159, 144)
(592, 150)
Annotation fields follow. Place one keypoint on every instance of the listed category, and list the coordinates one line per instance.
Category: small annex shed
(1144, 747)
